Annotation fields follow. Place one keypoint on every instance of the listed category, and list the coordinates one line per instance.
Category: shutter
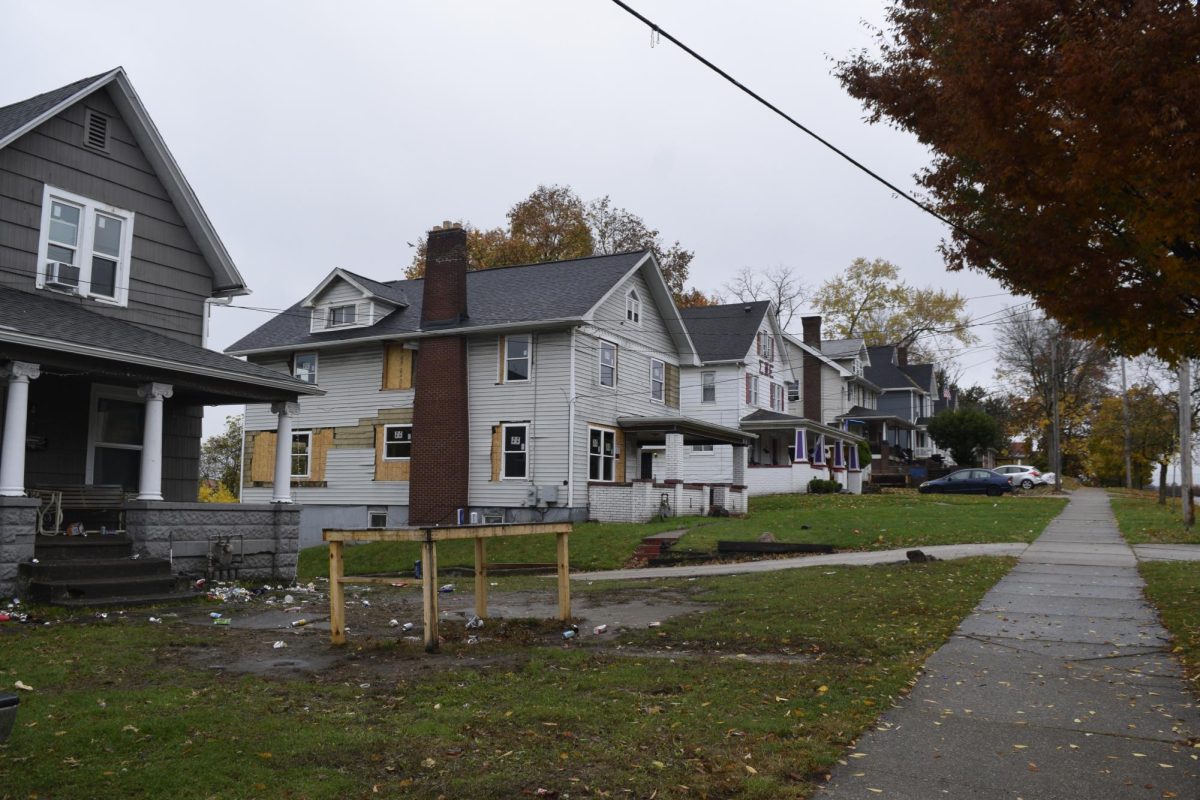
(262, 467)
(671, 385)
(500, 344)
(497, 451)
(748, 379)
(619, 466)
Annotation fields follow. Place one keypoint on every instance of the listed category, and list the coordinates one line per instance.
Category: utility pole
(1055, 444)
(1128, 435)
(1185, 441)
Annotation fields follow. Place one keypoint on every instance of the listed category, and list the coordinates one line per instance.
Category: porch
(109, 415)
(791, 451)
(652, 476)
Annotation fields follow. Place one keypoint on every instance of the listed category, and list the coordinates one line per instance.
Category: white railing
(923, 452)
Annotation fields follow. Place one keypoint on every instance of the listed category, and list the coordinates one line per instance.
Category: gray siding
(169, 278)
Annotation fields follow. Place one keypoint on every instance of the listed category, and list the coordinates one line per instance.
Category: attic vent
(95, 130)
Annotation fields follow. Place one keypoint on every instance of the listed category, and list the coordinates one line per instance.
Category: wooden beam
(429, 596)
(564, 578)
(446, 533)
(337, 599)
(481, 578)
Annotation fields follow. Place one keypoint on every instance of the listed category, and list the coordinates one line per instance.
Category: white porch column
(282, 491)
(150, 477)
(12, 452)
(674, 456)
(739, 465)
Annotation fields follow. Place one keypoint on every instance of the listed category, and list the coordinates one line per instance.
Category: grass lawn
(1143, 521)
(750, 699)
(849, 522)
(1175, 588)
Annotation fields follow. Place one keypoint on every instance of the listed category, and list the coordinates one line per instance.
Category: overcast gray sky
(322, 134)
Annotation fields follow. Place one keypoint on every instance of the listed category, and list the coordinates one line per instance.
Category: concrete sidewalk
(1058, 686)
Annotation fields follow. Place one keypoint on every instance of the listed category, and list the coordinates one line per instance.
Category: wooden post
(429, 596)
(337, 599)
(481, 578)
(564, 578)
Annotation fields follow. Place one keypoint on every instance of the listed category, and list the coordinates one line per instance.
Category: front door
(646, 465)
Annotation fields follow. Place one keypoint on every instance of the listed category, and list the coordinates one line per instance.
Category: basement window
(377, 518)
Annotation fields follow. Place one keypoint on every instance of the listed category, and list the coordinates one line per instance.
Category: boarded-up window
(262, 460)
(390, 469)
(399, 367)
(673, 386)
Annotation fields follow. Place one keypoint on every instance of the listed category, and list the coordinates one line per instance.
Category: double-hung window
(304, 367)
(633, 308)
(515, 456)
(397, 442)
(602, 454)
(342, 315)
(708, 387)
(658, 371)
(85, 247)
(518, 357)
(301, 453)
(608, 363)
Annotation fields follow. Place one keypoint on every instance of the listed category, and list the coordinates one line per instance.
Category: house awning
(774, 420)
(75, 340)
(694, 431)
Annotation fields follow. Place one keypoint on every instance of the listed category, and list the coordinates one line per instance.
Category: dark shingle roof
(66, 322)
(922, 374)
(841, 348)
(386, 291)
(16, 116)
(883, 373)
(724, 333)
(502, 295)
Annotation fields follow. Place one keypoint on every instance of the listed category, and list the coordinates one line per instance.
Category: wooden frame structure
(428, 539)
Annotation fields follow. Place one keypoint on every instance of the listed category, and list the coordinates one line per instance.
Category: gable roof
(394, 295)
(35, 320)
(842, 348)
(885, 374)
(726, 332)
(20, 118)
(922, 374)
(818, 355)
(554, 293)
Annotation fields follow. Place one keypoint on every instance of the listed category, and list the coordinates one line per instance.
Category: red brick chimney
(440, 466)
(811, 369)
(901, 356)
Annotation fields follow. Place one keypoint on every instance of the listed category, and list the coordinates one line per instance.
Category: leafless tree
(778, 284)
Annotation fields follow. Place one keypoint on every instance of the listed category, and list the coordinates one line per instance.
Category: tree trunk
(1162, 484)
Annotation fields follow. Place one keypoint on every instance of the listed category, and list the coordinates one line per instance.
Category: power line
(658, 30)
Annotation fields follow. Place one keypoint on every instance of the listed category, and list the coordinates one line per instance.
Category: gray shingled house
(536, 392)
(108, 267)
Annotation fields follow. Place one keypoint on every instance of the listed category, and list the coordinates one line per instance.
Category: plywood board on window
(322, 440)
(388, 470)
(397, 367)
(362, 435)
(262, 463)
(497, 450)
(671, 386)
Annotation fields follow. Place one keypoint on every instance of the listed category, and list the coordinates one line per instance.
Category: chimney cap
(447, 225)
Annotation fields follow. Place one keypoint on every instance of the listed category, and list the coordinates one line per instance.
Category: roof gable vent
(95, 130)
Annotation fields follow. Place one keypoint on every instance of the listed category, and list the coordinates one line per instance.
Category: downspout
(209, 302)
(571, 429)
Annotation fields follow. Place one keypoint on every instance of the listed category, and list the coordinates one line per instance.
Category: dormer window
(85, 247)
(342, 315)
(633, 307)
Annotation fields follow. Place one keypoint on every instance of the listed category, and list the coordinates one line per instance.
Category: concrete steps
(82, 571)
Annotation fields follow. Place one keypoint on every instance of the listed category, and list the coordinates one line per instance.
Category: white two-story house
(538, 392)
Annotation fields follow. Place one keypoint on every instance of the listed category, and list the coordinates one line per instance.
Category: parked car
(969, 481)
(1025, 476)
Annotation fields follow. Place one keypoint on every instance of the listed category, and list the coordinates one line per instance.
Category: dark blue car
(969, 481)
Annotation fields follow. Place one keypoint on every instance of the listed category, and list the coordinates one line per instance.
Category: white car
(1026, 476)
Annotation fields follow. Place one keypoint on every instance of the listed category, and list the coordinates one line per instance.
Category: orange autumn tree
(1066, 148)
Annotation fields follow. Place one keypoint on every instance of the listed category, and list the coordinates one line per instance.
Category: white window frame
(329, 314)
(528, 337)
(616, 359)
(84, 250)
(386, 457)
(708, 381)
(109, 393)
(702, 450)
(661, 396)
(373, 512)
(316, 359)
(611, 458)
(293, 455)
(633, 307)
(504, 451)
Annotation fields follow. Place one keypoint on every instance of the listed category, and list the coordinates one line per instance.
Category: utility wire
(658, 30)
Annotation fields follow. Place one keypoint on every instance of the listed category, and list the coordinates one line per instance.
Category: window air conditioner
(64, 277)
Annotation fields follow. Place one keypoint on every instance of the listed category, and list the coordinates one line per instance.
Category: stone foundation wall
(267, 535)
(18, 526)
